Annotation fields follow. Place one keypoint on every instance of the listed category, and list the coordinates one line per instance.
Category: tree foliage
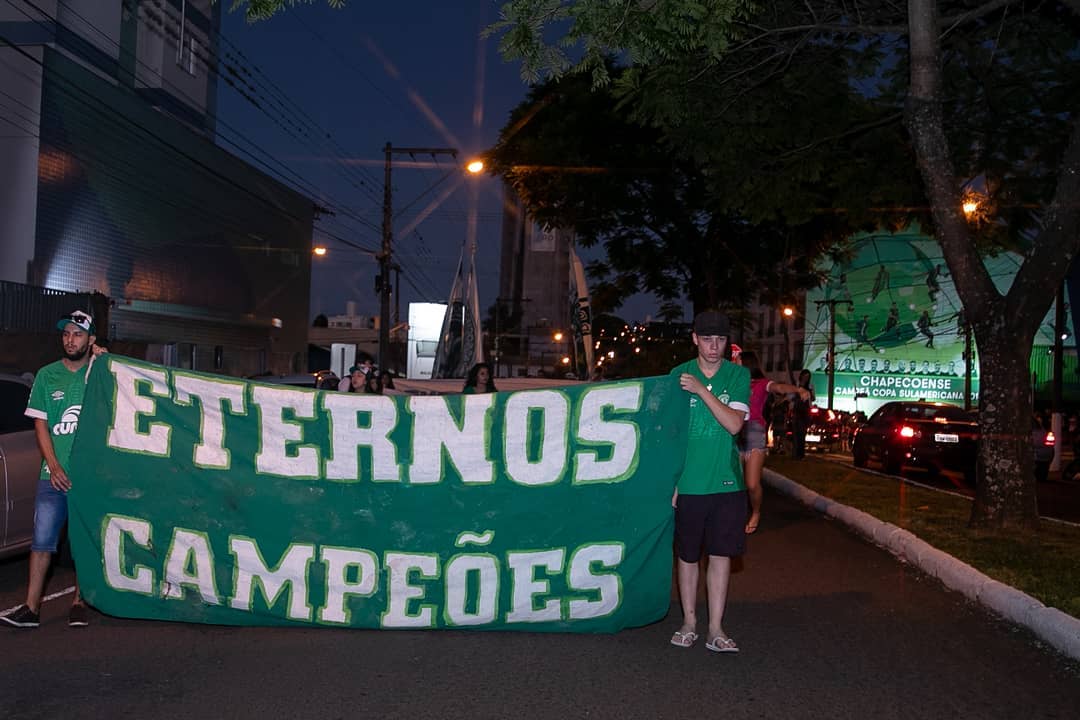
(578, 161)
(263, 9)
(647, 32)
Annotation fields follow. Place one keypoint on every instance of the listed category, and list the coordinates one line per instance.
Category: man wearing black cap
(55, 405)
(710, 497)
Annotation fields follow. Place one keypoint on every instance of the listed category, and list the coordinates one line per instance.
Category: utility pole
(386, 256)
(832, 303)
(397, 293)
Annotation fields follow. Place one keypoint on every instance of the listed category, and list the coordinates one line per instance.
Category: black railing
(30, 308)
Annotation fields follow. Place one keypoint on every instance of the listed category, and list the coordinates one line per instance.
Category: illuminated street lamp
(318, 250)
(788, 311)
(557, 337)
(475, 167)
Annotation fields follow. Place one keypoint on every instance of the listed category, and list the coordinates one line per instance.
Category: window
(192, 57)
(188, 56)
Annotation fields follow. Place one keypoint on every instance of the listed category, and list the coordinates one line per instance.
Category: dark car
(20, 464)
(932, 436)
(826, 430)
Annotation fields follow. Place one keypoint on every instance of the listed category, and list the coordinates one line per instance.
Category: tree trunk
(1004, 326)
(1005, 487)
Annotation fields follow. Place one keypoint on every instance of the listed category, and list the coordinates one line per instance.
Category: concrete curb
(1049, 624)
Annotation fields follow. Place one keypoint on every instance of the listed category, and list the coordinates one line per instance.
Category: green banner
(900, 328)
(200, 498)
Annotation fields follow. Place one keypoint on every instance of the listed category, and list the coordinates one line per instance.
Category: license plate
(813, 438)
(946, 438)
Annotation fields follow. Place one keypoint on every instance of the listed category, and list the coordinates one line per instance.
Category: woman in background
(373, 383)
(479, 380)
(753, 434)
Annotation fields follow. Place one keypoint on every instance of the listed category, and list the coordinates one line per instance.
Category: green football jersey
(57, 398)
(712, 456)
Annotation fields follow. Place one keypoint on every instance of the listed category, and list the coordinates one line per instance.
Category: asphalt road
(829, 626)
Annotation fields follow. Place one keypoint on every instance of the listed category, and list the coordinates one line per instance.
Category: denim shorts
(752, 437)
(50, 514)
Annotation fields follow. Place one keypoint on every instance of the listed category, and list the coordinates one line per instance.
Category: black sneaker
(22, 617)
(78, 616)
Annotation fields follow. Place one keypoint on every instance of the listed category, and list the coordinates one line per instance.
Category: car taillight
(906, 431)
(1050, 440)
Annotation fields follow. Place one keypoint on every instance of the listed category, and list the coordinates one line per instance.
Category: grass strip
(1044, 564)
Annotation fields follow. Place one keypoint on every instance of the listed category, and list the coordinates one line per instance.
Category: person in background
(710, 495)
(373, 383)
(800, 415)
(479, 380)
(55, 405)
(752, 445)
(355, 378)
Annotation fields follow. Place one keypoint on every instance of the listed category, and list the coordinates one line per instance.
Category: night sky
(413, 73)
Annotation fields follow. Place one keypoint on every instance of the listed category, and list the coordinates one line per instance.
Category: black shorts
(717, 521)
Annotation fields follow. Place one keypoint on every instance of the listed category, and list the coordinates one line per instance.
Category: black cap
(711, 322)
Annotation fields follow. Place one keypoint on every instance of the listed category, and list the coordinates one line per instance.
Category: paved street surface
(830, 627)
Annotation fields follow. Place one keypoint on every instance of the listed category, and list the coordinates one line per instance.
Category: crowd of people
(364, 377)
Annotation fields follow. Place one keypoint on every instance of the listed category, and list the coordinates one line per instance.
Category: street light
(318, 250)
(475, 167)
(557, 337)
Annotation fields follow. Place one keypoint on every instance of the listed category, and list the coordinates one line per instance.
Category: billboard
(899, 324)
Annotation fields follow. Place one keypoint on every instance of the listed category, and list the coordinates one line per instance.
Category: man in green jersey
(55, 405)
(710, 497)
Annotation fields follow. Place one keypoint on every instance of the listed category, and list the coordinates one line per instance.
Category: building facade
(534, 288)
(113, 183)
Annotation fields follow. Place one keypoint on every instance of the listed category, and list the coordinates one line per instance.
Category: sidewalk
(1058, 629)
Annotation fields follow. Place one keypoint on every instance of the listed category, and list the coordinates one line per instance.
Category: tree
(577, 161)
(263, 9)
(991, 92)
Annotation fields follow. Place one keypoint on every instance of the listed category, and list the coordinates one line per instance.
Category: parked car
(20, 465)
(1042, 446)
(826, 431)
(932, 436)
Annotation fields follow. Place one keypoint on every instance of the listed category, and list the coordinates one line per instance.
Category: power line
(234, 77)
(148, 133)
(298, 183)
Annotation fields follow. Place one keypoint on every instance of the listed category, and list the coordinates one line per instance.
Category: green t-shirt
(712, 458)
(57, 398)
